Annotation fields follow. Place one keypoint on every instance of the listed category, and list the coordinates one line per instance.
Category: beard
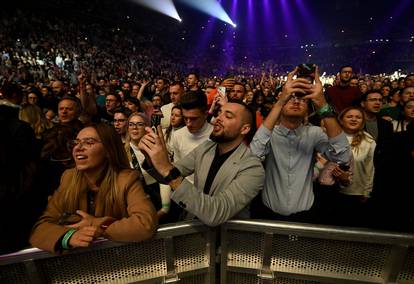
(220, 138)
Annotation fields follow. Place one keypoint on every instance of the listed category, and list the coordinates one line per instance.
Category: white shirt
(166, 113)
(183, 142)
(363, 168)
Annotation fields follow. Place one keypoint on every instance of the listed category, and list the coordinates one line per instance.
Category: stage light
(165, 7)
(212, 8)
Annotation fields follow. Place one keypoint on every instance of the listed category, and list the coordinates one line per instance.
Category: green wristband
(325, 111)
(66, 237)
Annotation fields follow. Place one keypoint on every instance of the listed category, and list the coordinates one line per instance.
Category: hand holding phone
(155, 121)
(307, 71)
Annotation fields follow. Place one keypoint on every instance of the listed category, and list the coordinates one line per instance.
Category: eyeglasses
(86, 142)
(374, 100)
(136, 124)
(298, 99)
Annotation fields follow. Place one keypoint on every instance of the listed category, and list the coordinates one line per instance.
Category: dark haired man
(161, 89)
(409, 80)
(197, 130)
(176, 91)
(192, 81)
(113, 103)
(227, 175)
(238, 92)
(287, 146)
(343, 95)
(380, 129)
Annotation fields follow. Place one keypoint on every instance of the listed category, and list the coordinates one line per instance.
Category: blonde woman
(363, 146)
(100, 197)
(159, 193)
(33, 115)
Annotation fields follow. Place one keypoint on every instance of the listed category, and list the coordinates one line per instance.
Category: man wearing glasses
(343, 95)
(287, 147)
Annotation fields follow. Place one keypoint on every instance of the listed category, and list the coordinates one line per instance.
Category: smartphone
(155, 121)
(221, 91)
(307, 71)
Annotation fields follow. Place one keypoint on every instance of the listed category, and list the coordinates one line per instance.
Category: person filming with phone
(287, 147)
(227, 176)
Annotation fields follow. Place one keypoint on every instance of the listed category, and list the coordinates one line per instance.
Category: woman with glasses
(100, 197)
(159, 193)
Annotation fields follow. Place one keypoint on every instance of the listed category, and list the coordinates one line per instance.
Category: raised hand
(153, 145)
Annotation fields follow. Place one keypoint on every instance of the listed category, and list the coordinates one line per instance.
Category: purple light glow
(308, 20)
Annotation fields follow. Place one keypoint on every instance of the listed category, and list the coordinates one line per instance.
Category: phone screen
(307, 71)
(221, 91)
(155, 121)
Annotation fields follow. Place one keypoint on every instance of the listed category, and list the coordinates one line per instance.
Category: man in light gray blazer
(226, 175)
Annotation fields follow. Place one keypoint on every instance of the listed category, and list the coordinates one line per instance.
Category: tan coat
(134, 213)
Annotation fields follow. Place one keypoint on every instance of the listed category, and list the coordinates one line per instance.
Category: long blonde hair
(108, 194)
(33, 115)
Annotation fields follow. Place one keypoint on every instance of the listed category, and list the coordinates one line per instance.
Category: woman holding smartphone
(100, 197)
(357, 193)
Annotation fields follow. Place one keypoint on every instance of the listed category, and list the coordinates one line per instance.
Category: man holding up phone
(287, 146)
(227, 176)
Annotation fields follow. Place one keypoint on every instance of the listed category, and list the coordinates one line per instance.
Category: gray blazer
(237, 182)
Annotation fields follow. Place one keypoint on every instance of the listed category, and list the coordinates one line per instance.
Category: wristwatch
(172, 175)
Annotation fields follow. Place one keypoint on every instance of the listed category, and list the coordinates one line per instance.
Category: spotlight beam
(212, 8)
(165, 7)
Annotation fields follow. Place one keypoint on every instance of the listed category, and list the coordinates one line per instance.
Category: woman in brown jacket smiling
(100, 197)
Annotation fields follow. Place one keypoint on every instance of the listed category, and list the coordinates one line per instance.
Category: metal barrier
(183, 252)
(251, 252)
(281, 252)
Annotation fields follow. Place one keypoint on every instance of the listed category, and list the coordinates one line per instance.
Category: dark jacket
(18, 156)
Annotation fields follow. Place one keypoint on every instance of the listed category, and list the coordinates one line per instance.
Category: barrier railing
(251, 252)
(281, 252)
(183, 252)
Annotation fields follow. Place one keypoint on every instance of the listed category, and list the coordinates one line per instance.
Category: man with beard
(227, 175)
(343, 95)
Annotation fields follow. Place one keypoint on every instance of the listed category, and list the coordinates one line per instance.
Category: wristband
(66, 237)
(325, 111)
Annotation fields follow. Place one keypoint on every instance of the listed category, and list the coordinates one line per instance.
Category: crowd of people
(111, 140)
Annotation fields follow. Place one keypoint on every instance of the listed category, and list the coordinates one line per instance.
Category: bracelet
(66, 237)
(325, 111)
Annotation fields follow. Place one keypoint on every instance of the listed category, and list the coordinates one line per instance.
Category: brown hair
(116, 160)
